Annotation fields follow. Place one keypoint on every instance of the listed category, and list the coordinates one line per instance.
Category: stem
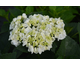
(74, 34)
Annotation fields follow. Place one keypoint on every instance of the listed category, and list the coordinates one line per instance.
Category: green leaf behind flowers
(69, 48)
(78, 28)
(64, 13)
(15, 12)
(4, 43)
(2, 12)
(22, 49)
(29, 9)
(8, 56)
(5, 28)
(18, 52)
(71, 29)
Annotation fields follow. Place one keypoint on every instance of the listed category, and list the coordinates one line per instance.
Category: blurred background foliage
(69, 48)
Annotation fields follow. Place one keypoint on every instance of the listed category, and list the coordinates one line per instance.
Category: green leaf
(15, 12)
(54, 46)
(55, 10)
(2, 12)
(4, 43)
(52, 11)
(60, 57)
(44, 55)
(73, 10)
(29, 9)
(52, 8)
(78, 28)
(22, 8)
(5, 22)
(39, 12)
(7, 16)
(66, 13)
(67, 16)
(8, 56)
(18, 52)
(71, 28)
(23, 49)
(4, 35)
(69, 48)
(11, 18)
(5, 28)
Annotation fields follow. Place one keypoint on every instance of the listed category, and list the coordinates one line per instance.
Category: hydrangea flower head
(37, 32)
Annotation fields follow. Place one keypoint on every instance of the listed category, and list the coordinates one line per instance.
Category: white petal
(15, 42)
(24, 15)
(14, 19)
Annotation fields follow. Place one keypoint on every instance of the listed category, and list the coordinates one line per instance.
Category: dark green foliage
(78, 28)
(66, 13)
(23, 49)
(29, 9)
(15, 12)
(5, 28)
(4, 43)
(69, 48)
(55, 46)
(71, 29)
(18, 53)
(2, 12)
(8, 56)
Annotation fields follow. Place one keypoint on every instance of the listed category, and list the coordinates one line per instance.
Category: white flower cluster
(37, 32)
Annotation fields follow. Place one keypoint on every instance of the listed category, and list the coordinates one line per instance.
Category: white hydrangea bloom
(19, 17)
(14, 19)
(15, 42)
(62, 35)
(37, 32)
(24, 16)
